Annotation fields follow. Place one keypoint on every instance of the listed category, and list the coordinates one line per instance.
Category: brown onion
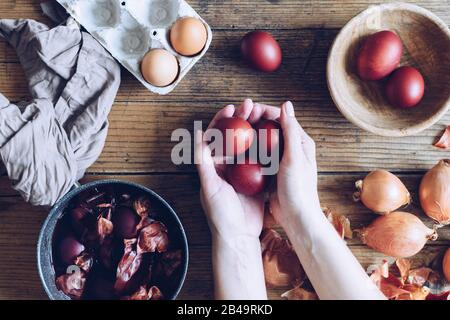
(398, 234)
(434, 192)
(446, 265)
(382, 192)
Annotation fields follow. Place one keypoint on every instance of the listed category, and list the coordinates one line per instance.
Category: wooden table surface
(138, 145)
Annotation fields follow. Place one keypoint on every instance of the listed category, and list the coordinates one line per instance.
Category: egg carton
(128, 29)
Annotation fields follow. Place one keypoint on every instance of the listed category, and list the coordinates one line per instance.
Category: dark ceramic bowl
(45, 243)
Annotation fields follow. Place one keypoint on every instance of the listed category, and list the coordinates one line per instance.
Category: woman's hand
(235, 220)
(331, 267)
(230, 214)
(296, 189)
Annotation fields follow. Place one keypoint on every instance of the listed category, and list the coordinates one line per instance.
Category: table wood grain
(138, 146)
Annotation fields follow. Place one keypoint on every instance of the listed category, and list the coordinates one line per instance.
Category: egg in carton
(132, 30)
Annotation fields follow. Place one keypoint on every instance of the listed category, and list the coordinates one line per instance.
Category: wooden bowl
(426, 46)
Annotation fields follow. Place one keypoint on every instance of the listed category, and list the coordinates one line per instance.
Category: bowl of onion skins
(45, 255)
(426, 47)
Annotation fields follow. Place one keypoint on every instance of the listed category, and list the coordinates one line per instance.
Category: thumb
(204, 162)
(291, 130)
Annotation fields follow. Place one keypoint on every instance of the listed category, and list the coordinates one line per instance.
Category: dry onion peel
(414, 292)
(419, 276)
(340, 222)
(389, 285)
(269, 221)
(281, 265)
(382, 192)
(434, 192)
(299, 294)
(378, 272)
(410, 285)
(403, 266)
(444, 141)
(398, 234)
(391, 290)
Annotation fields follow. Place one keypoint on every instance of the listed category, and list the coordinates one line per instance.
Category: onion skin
(434, 192)
(446, 265)
(281, 265)
(382, 192)
(398, 234)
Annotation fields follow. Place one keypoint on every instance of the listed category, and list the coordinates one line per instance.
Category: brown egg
(188, 36)
(159, 67)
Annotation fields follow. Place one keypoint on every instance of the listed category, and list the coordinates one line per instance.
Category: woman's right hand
(331, 267)
(296, 189)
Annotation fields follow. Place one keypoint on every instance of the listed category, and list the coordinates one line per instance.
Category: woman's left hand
(235, 220)
(230, 215)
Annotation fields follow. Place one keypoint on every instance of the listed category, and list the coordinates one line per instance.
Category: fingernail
(290, 109)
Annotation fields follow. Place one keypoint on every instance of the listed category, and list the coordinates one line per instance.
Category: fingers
(245, 109)
(204, 162)
(262, 111)
(252, 112)
(292, 132)
(297, 142)
(226, 112)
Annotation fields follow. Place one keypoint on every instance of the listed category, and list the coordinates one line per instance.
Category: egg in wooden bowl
(425, 42)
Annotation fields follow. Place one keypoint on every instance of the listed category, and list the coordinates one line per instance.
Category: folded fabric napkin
(46, 145)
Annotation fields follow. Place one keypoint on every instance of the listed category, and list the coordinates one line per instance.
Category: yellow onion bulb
(398, 234)
(382, 192)
(434, 192)
(446, 265)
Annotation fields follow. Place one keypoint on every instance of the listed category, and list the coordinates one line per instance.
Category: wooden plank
(140, 131)
(335, 192)
(222, 75)
(199, 283)
(182, 192)
(20, 225)
(302, 76)
(261, 14)
(140, 139)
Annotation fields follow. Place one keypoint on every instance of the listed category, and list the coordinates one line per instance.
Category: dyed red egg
(379, 55)
(125, 221)
(269, 136)
(69, 249)
(247, 178)
(405, 88)
(238, 136)
(77, 218)
(261, 51)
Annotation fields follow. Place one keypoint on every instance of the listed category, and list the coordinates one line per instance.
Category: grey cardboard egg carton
(128, 29)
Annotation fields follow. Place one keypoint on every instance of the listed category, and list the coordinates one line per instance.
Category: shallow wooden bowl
(426, 46)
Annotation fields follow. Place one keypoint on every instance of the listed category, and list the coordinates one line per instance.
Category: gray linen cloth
(46, 145)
